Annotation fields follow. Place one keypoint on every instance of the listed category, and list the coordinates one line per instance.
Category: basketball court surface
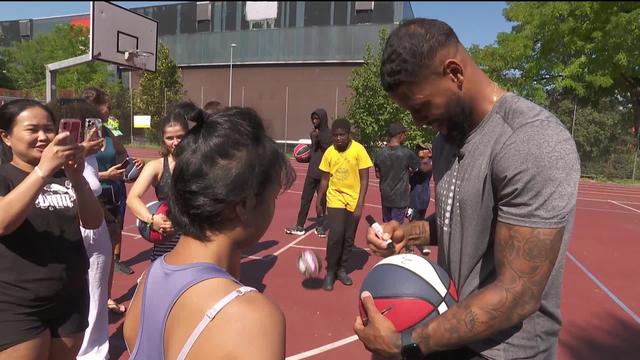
(600, 297)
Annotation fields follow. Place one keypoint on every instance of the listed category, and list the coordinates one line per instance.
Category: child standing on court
(394, 163)
(419, 182)
(345, 178)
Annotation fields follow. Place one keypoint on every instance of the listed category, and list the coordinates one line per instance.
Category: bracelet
(39, 172)
(150, 223)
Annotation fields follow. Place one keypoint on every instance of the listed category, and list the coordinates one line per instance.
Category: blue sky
(474, 22)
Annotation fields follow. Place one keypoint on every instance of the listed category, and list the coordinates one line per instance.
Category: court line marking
(624, 206)
(611, 295)
(610, 193)
(367, 204)
(324, 249)
(606, 200)
(135, 236)
(292, 243)
(324, 348)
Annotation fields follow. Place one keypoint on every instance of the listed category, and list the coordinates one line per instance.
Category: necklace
(497, 92)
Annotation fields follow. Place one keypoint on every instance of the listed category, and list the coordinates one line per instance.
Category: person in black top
(320, 140)
(44, 199)
(419, 181)
(157, 173)
(393, 164)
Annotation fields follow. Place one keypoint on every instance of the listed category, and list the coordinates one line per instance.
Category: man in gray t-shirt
(506, 173)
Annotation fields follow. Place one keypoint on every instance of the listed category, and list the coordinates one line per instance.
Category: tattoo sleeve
(524, 259)
(421, 232)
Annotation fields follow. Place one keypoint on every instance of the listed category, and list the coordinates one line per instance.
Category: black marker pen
(378, 230)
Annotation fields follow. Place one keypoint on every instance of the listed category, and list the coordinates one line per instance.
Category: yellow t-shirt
(344, 180)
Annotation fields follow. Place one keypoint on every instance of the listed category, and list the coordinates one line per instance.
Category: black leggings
(342, 231)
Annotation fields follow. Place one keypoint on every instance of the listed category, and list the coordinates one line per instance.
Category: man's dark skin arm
(322, 191)
(364, 184)
(524, 260)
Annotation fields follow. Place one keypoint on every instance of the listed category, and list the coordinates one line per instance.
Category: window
(203, 16)
(364, 6)
(261, 14)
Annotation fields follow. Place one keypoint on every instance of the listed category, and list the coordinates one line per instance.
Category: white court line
(292, 243)
(604, 210)
(624, 206)
(605, 200)
(135, 236)
(611, 295)
(324, 249)
(367, 204)
(609, 193)
(324, 348)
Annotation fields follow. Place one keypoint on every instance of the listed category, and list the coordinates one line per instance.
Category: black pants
(342, 231)
(311, 186)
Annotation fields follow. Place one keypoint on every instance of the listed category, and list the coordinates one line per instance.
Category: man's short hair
(341, 124)
(410, 48)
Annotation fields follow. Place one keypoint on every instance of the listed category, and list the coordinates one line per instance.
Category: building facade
(290, 57)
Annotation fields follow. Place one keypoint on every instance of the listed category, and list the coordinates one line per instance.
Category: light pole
(231, 72)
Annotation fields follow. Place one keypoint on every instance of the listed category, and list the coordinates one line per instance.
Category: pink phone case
(73, 126)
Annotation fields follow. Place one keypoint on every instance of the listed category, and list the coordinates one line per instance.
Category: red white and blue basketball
(409, 290)
(156, 208)
(302, 153)
(132, 172)
(309, 263)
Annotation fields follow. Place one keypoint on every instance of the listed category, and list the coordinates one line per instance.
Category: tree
(26, 61)
(159, 91)
(602, 136)
(587, 49)
(5, 80)
(370, 109)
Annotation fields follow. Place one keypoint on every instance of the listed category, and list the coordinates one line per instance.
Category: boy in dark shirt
(393, 164)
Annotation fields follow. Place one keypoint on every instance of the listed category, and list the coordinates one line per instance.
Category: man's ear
(454, 70)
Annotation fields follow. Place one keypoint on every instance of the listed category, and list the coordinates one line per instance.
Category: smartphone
(73, 126)
(90, 124)
(125, 163)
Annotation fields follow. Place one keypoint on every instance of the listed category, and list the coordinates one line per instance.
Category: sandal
(115, 307)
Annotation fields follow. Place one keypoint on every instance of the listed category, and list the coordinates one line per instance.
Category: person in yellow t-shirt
(345, 178)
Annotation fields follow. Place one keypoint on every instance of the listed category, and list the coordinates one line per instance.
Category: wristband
(150, 223)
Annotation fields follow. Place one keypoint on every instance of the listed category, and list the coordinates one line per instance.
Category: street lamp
(231, 72)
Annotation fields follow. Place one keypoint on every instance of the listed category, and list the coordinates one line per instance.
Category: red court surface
(600, 299)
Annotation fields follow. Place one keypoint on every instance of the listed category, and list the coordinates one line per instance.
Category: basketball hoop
(132, 54)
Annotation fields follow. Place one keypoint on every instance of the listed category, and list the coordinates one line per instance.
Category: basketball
(131, 173)
(302, 153)
(409, 290)
(155, 207)
(309, 263)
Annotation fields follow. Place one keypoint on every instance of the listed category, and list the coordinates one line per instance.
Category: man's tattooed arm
(524, 259)
(421, 232)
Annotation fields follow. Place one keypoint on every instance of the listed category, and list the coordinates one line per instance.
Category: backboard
(123, 37)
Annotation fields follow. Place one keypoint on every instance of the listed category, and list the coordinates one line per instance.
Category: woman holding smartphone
(114, 194)
(45, 199)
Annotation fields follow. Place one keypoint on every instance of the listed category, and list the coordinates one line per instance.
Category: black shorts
(66, 316)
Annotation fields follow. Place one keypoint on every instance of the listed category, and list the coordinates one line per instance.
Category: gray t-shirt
(394, 164)
(520, 167)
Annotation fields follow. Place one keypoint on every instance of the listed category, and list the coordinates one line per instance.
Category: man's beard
(458, 124)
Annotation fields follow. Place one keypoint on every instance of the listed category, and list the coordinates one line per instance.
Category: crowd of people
(501, 222)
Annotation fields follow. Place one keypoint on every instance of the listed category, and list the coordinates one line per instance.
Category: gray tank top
(164, 285)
